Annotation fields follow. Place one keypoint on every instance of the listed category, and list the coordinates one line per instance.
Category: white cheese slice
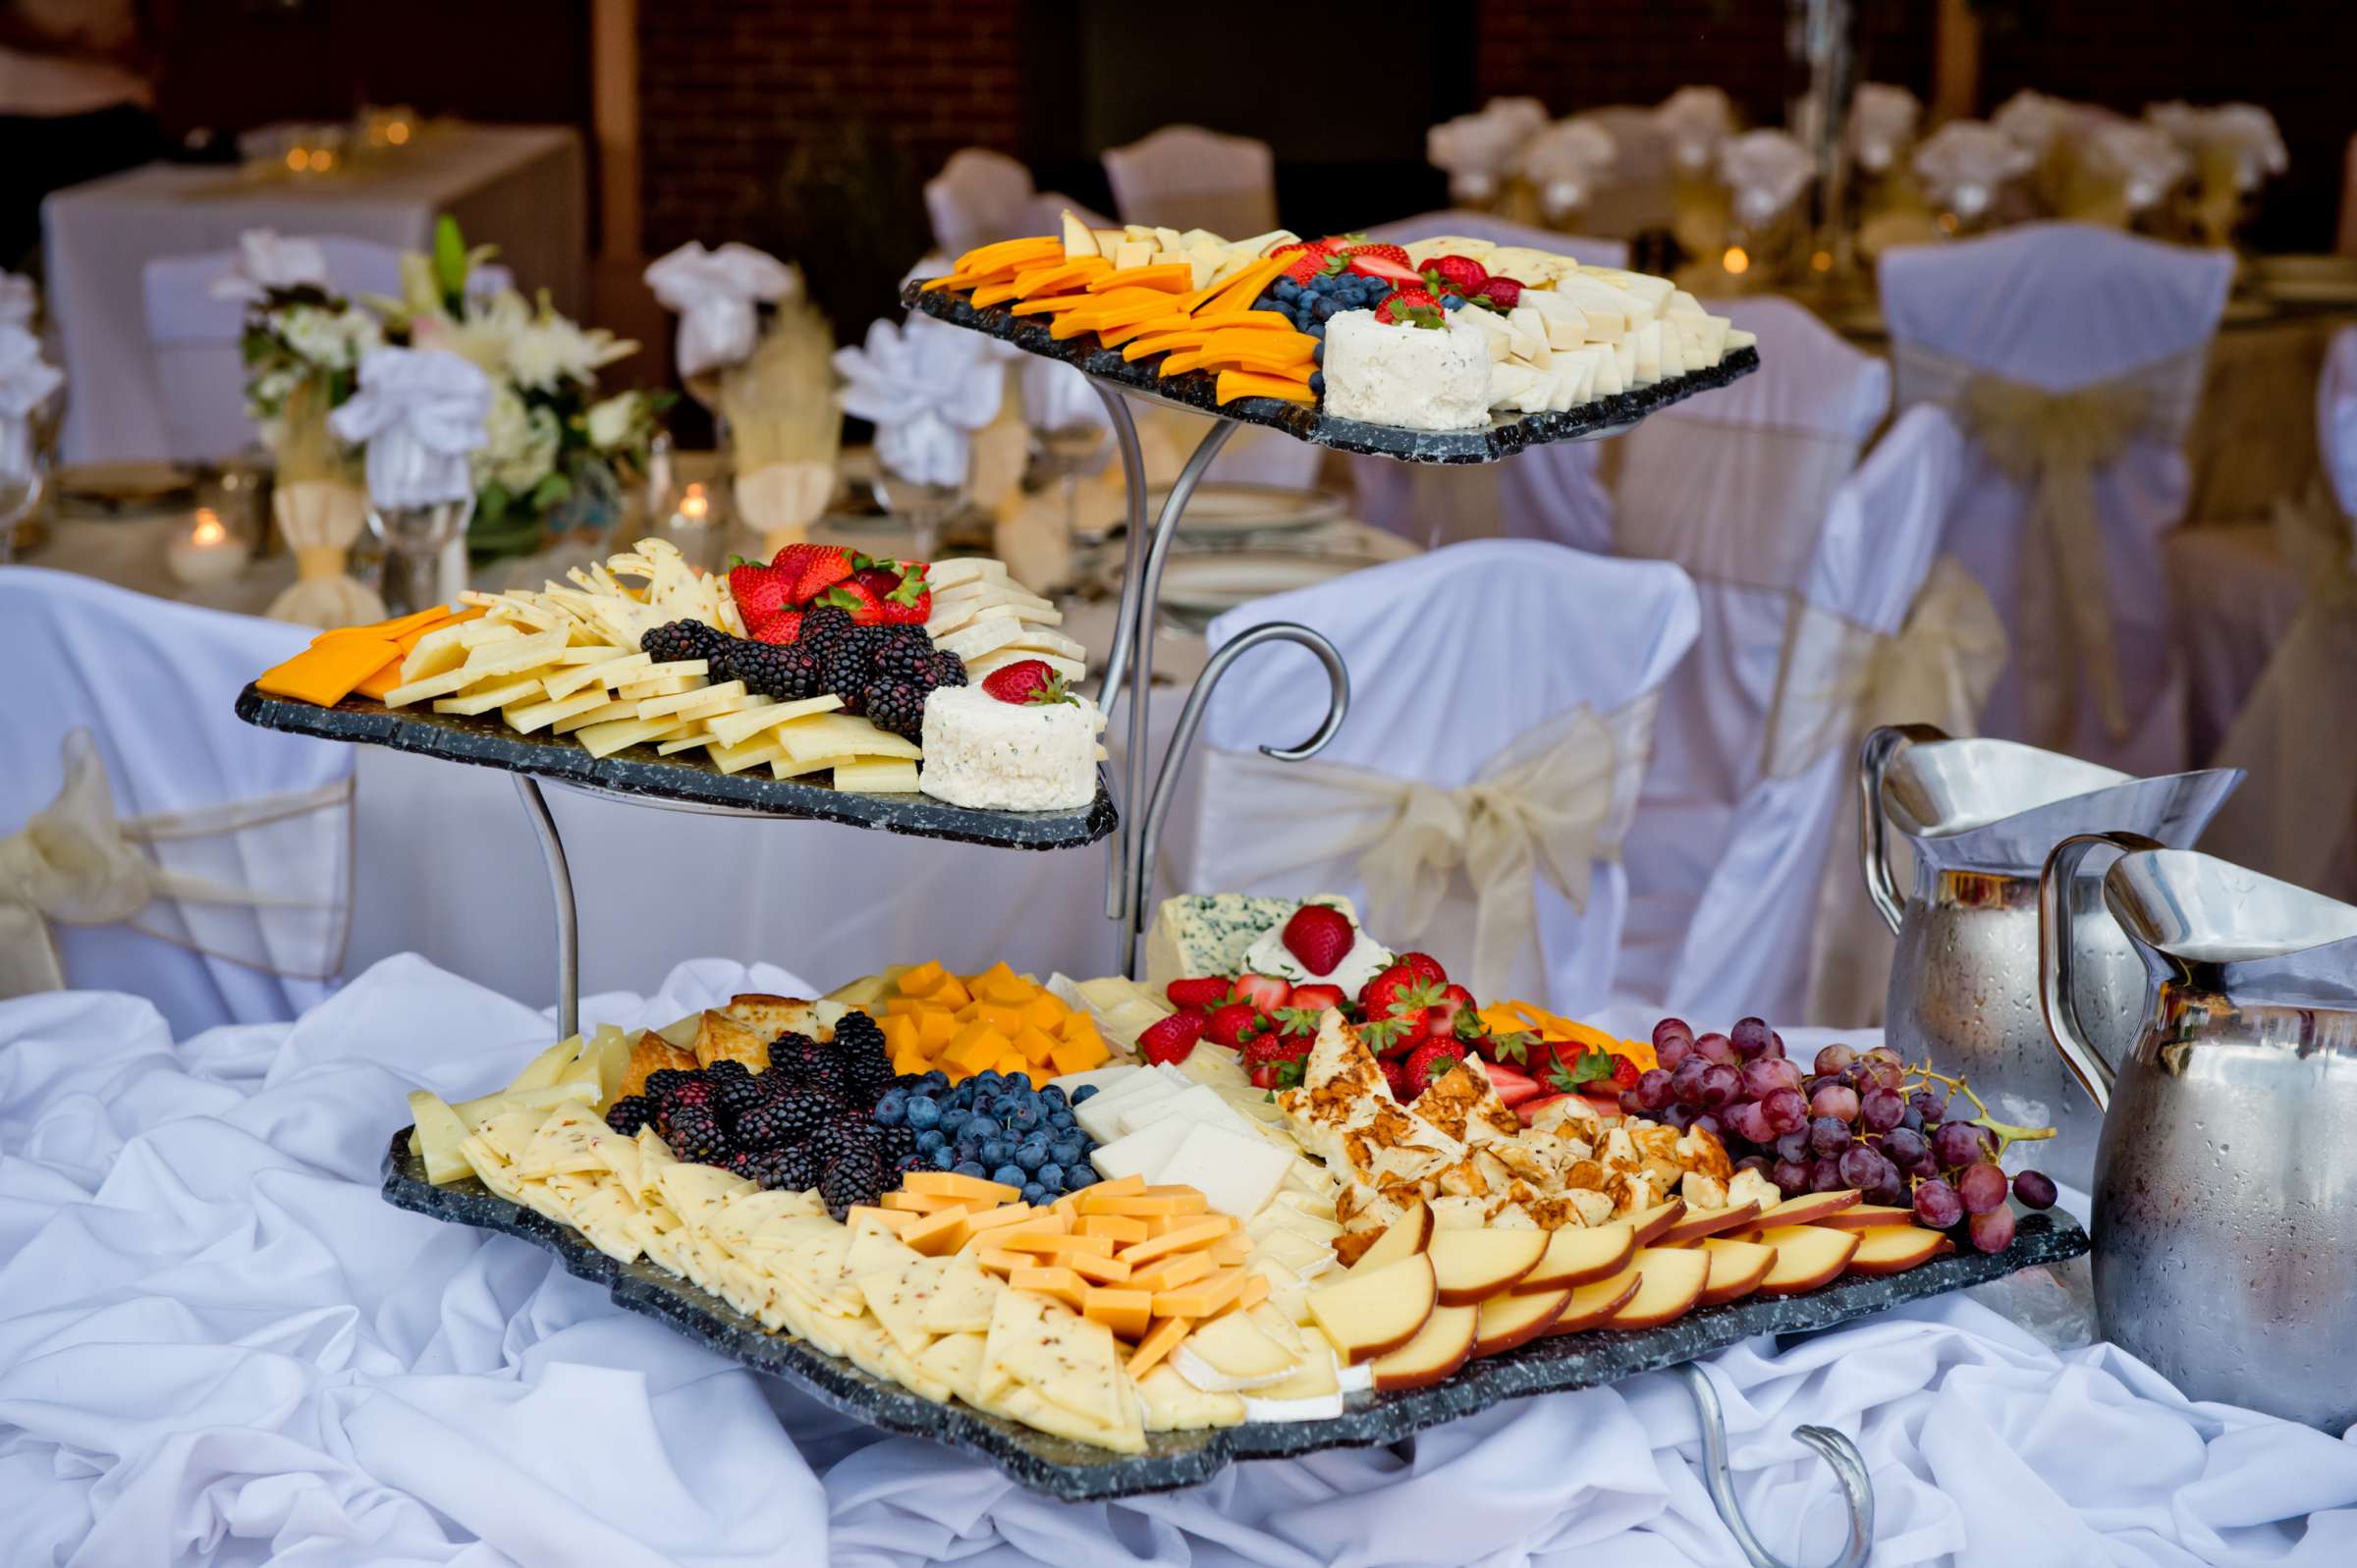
(1236, 1173)
(1306, 1259)
(1648, 344)
(1356, 1380)
(1101, 1116)
(1143, 1153)
(959, 571)
(1232, 1353)
(1198, 1103)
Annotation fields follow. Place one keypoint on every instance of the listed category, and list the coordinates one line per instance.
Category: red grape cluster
(1854, 1119)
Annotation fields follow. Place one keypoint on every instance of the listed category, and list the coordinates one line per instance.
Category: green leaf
(450, 258)
(1514, 1046)
(551, 491)
(1288, 1073)
(491, 503)
(1594, 1063)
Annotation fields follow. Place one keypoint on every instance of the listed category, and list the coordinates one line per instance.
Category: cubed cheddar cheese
(908, 1006)
(936, 1028)
(1161, 1339)
(975, 1049)
(1171, 1272)
(1004, 1017)
(950, 1184)
(1127, 1313)
(899, 1032)
(1098, 1270)
(1045, 1012)
(1036, 1044)
(953, 993)
(1078, 1055)
(912, 1061)
(1013, 1062)
(923, 980)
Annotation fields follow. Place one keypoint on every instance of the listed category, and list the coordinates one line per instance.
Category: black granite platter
(1198, 390)
(680, 782)
(1073, 1472)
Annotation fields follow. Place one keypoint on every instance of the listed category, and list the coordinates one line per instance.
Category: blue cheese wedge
(1209, 934)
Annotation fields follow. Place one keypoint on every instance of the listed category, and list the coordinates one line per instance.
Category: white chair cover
(2296, 818)
(1501, 696)
(194, 337)
(1736, 488)
(1185, 177)
(207, 798)
(1591, 251)
(2074, 355)
(979, 197)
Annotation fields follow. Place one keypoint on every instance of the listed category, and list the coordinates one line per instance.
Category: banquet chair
(1735, 487)
(1589, 252)
(242, 836)
(1502, 693)
(1638, 195)
(1185, 177)
(2296, 818)
(196, 336)
(2073, 356)
(978, 197)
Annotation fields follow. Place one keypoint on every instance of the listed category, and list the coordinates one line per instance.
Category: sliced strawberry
(1233, 1024)
(1320, 935)
(1504, 293)
(1460, 273)
(1512, 1087)
(1528, 1109)
(1268, 992)
(1445, 1016)
(1207, 991)
(1396, 272)
(811, 570)
(1172, 1038)
(779, 629)
(760, 591)
(1382, 251)
(1316, 999)
(865, 605)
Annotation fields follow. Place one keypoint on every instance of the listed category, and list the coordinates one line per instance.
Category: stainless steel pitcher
(1981, 816)
(2226, 1186)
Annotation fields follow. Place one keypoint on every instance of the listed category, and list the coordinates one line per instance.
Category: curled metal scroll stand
(1836, 1450)
(560, 890)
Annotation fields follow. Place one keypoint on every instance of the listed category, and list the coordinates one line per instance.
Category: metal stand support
(1848, 1466)
(560, 891)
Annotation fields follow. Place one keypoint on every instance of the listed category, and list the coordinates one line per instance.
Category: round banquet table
(218, 1345)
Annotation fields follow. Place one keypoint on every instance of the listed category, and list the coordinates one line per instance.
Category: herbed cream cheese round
(1009, 756)
(1419, 378)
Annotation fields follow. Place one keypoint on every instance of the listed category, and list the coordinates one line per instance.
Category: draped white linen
(1458, 660)
(2060, 308)
(218, 1345)
(155, 684)
(1185, 177)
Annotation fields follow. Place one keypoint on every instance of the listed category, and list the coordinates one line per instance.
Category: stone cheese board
(1197, 391)
(1075, 1472)
(682, 782)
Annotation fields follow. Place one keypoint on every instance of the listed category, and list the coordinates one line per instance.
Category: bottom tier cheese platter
(1297, 1192)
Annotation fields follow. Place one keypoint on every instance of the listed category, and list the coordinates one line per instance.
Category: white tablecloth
(520, 188)
(218, 1345)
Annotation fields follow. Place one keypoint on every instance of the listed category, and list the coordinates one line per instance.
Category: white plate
(1207, 584)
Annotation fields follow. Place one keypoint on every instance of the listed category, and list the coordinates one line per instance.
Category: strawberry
(779, 629)
(1432, 1058)
(1501, 293)
(1320, 935)
(1272, 1046)
(1232, 1025)
(865, 605)
(1394, 1074)
(1208, 990)
(1463, 274)
(1314, 999)
(1512, 1087)
(1386, 252)
(904, 597)
(1299, 1023)
(1528, 1111)
(760, 591)
(1172, 1038)
(1309, 257)
(1425, 967)
(1027, 681)
(1447, 1017)
(1395, 1003)
(1266, 993)
(811, 570)
(1398, 274)
(1274, 1075)
(1624, 1072)
(1411, 307)
(1513, 1045)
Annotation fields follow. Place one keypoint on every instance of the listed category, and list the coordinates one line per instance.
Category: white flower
(333, 340)
(2243, 132)
(549, 348)
(2145, 160)
(611, 421)
(520, 446)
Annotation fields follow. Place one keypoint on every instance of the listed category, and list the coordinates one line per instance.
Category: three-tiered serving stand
(637, 775)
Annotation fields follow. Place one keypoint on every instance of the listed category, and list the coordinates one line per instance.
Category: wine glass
(926, 505)
(1065, 453)
(413, 538)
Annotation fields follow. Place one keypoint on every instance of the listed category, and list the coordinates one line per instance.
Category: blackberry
(856, 1178)
(727, 1068)
(788, 673)
(695, 1134)
(682, 639)
(843, 671)
(857, 1030)
(903, 653)
(767, 1126)
(870, 1076)
(823, 625)
(630, 1114)
(844, 1133)
(831, 1072)
(663, 1083)
(896, 706)
(696, 1091)
(741, 1163)
(797, 1170)
(942, 667)
(900, 1142)
(800, 1113)
(734, 1096)
(777, 1170)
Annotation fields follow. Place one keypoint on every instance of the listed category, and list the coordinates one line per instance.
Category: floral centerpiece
(558, 456)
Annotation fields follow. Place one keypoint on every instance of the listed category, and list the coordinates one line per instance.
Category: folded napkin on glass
(26, 381)
(1566, 162)
(1965, 163)
(20, 302)
(926, 391)
(1694, 121)
(420, 412)
(2143, 162)
(715, 294)
(1766, 171)
(2035, 122)
(1475, 149)
(2241, 132)
(1882, 120)
(267, 260)
(1055, 397)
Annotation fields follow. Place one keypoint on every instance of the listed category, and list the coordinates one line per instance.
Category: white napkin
(927, 389)
(2145, 159)
(1567, 161)
(1057, 397)
(420, 411)
(2033, 121)
(2243, 129)
(1766, 171)
(25, 382)
(268, 260)
(1695, 120)
(19, 300)
(1881, 120)
(1965, 163)
(1474, 149)
(714, 293)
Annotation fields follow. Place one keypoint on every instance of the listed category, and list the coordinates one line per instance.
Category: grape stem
(2006, 1133)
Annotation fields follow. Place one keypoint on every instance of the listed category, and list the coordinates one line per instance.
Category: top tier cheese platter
(1452, 350)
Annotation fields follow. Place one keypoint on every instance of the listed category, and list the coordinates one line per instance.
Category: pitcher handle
(1882, 743)
(2057, 959)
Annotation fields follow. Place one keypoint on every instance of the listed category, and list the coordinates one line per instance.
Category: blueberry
(937, 1080)
(931, 1139)
(1052, 1098)
(1034, 1193)
(1084, 1092)
(953, 1116)
(967, 1167)
(1010, 1175)
(996, 1152)
(1317, 382)
(923, 1112)
(1317, 330)
(1025, 1117)
(1051, 1175)
(979, 1126)
(1322, 310)
(891, 1109)
(944, 1157)
(1062, 1121)
(968, 1149)
(1455, 302)
(1031, 1155)
(1066, 1153)
(1019, 1082)
(1286, 288)
(1078, 1177)
(1317, 356)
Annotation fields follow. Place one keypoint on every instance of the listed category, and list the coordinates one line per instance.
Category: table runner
(217, 1344)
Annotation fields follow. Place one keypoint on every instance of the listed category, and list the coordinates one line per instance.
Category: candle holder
(415, 538)
(694, 517)
(208, 551)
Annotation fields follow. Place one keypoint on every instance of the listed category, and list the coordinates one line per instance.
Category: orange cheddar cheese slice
(1256, 1291)
(1235, 384)
(1127, 1313)
(1003, 252)
(1186, 1199)
(1283, 346)
(950, 1184)
(999, 1260)
(327, 671)
(1118, 314)
(1214, 1293)
(1183, 1238)
(977, 1225)
(934, 1234)
(1050, 1244)
(1171, 1272)
(1244, 320)
(1160, 1340)
(1241, 290)
(1061, 279)
(1105, 1192)
(395, 629)
(1099, 1271)
(1230, 1249)
(1061, 1284)
(1170, 277)
(895, 1218)
(384, 680)
(991, 294)
(1121, 1227)
(1149, 344)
